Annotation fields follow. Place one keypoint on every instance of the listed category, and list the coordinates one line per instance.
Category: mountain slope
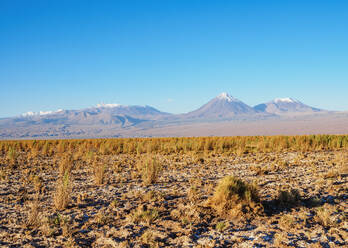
(284, 106)
(222, 106)
(105, 114)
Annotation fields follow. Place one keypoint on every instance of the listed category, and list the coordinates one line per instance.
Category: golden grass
(233, 197)
(223, 145)
(62, 195)
(150, 169)
(99, 172)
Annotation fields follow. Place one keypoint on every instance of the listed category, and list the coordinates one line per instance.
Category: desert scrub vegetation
(150, 169)
(193, 205)
(221, 145)
(12, 155)
(65, 165)
(289, 198)
(33, 218)
(145, 215)
(233, 197)
(62, 194)
(99, 172)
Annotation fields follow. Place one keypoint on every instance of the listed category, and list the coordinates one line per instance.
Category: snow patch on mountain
(225, 96)
(286, 99)
(108, 105)
(31, 113)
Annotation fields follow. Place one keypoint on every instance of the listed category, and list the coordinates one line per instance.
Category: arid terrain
(275, 191)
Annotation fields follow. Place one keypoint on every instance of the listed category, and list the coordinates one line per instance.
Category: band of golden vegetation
(229, 145)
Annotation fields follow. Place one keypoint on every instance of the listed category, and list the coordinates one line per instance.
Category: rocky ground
(124, 212)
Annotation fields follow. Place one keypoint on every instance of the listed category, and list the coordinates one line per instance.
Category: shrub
(233, 196)
(99, 172)
(143, 214)
(33, 219)
(12, 156)
(150, 169)
(323, 217)
(221, 226)
(65, 165)
(289, 198)
(62, 195)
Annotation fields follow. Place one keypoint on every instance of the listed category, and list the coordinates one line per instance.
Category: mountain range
(114, 120)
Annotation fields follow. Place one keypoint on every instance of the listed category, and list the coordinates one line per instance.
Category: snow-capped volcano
(222, 106)
(225, 96)
(285, 106)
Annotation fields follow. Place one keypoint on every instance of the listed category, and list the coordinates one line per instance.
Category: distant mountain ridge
(93, 121)
(287, 105)
(102, 114)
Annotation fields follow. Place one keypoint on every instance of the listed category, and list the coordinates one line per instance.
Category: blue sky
(173, 55)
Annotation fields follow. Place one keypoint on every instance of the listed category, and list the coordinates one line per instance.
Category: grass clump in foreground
(234, 197)
(150, 170)
(62, 196)
(99, 173)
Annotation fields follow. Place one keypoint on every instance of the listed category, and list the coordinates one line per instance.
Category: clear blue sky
(173, 55)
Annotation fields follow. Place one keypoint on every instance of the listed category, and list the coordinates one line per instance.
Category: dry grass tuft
(145, 215)
(289, 198)
(99, 173)
(62, 195)
(234, 196)
(65, 165)
(33, 220)
(149, 239)
(12, 156)
(150, 170)
(323, 217)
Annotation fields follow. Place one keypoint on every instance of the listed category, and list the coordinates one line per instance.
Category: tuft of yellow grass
(234, 196)
(150, 170)
(99, 173)
(62, 195)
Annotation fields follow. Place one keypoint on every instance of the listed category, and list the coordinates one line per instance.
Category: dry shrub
(62, 196)
(234, 197)
(38, 183)
(153, 196)
(289, 198)
(221, 226)
(12, 156)
(323, 217)
(149, 239)
(65, 165)
(144, 215)
(193, 194)
(99, 173)
(150, 170)
(33, 219)
(287, 222)
(89, 157)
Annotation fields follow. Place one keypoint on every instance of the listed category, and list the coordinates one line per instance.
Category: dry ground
(123, 212)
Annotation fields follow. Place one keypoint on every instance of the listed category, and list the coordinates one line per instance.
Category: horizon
(114, 105)
(72, 55)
